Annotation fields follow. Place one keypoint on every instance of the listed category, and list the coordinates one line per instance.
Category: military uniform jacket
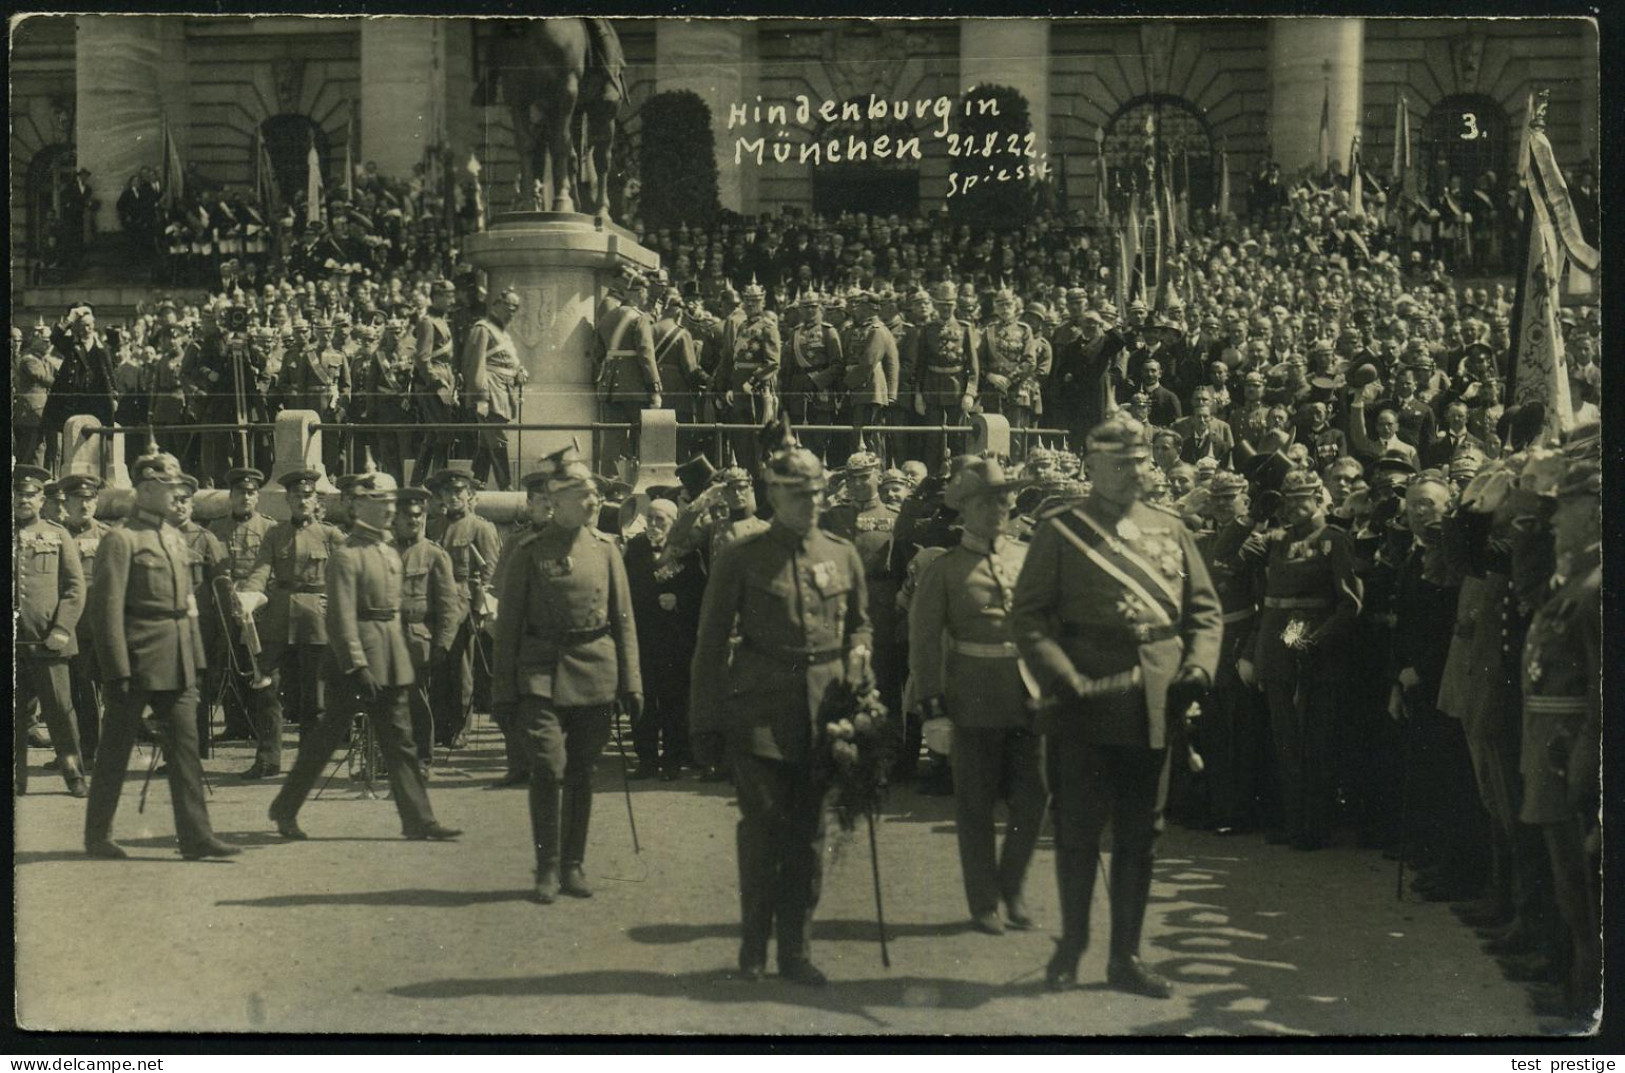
(871, 371)
(142, 604)
(241, 539)
(565, 628)
(428, 599)
(432, 361)
(208, 557)
(799, 604)
(1562, 695)
(1239, 580)
(1010, 350)
(48, 587)
(474, 547)
(750, 353)
(948, 367)
(291, 571)
(817, 360)
(87, 540)
(960, 643)
(677, 357)
(1311, 598)
(32, 379)
(364, 609)
(491, 369)
(628, 372)
(1124, 603)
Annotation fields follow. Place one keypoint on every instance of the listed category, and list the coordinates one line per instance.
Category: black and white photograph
(1042, 527)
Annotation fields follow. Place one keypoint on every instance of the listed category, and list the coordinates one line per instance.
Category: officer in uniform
(240, 532)
(748, 375)
(966, 667)
(1117, 619)
(1311, 598)
(49, 586)
(1010, 364)
(80, 496)
(367, 643)
(949, 369)
(798, 597)
(1562, 726)
(538, 511)
(434, 364)
(492, 380)
(816, 363)
(1233, 738)
(291, 572)
(428, 610)
(677, 357)
(151, 654)
(871, 363)
(474, 547)
(627, 376)
(722, 514)
(566, 652)
(207, 558)
(868, 524)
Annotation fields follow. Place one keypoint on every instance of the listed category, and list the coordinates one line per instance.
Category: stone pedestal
(1312, 61)
(561, 264)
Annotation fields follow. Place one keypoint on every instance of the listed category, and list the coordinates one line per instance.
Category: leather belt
(414, 617)
(1555, 705)
(1239, 616)
(985, 649)
(1298, 603)
(379, 614)
(570, 638)
(1143, 635)
(308, 590)
(794, 657)
(154, 614)
(945, 370)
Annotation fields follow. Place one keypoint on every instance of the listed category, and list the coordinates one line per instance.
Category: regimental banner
(1542, 374)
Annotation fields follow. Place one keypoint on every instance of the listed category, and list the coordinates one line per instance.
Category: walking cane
(146, 784)
(880, 908)
(626, 778)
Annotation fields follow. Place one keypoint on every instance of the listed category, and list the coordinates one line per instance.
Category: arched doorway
(50, 173)
(884, 186)
(287, 142)
(1467, 135)
(1182, 138)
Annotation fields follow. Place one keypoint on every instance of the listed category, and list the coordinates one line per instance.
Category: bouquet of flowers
(852, 751)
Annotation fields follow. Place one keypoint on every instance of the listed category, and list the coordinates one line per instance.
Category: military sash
(1113, 556)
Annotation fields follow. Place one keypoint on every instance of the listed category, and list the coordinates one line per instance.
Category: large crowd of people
(1290, 457)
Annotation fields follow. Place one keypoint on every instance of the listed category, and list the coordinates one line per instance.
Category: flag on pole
(1324, 157)
(1356, 181)
(267, 190)
(1540, 372)
(1224, 184)
(174, 179)
(1185, 188)
(1125, 269)
(1523, 139)
(313, 184)
(1103, 208)
(1136, 250)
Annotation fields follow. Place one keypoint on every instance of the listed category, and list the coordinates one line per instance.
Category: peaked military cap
(80, 484)
(300, 480)
(26, 480)
(440, 478)
(245, 477)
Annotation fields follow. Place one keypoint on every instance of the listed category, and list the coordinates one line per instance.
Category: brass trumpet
(231, 611)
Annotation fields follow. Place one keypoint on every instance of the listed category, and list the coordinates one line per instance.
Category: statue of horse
(561, 81)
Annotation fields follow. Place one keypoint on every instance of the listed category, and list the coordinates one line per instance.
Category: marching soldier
(868, 524)
(81, 492)
(436, 378)
(428, 610)
(627, 377)
(566, 653)
(206, 562)
(49, 586)
(798, 597)
(949, 370)
(474, 547)
(966, 668)
(748, 375)
(240, 533)
(373, 663)
(492, 381)
(1117, 619)
(150, 653)
(290, 572)
(1311, 597)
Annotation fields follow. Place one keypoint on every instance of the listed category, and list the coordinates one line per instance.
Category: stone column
(560, 263)
(710, 58)
(1308, 58)
(403, 91)
(1009, 52)
(119, 104)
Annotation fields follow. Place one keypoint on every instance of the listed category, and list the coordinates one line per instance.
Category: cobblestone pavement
(357, 929)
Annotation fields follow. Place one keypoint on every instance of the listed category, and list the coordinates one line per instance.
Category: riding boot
(1130, 891)
(576, 811)
(544, 821)
(1075, 876)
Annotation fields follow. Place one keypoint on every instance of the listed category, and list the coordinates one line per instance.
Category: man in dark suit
(151, 655)
(799, 597)
(1118, 621)
(666, 595)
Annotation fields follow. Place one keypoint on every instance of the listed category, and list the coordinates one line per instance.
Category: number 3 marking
(1471, 122)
